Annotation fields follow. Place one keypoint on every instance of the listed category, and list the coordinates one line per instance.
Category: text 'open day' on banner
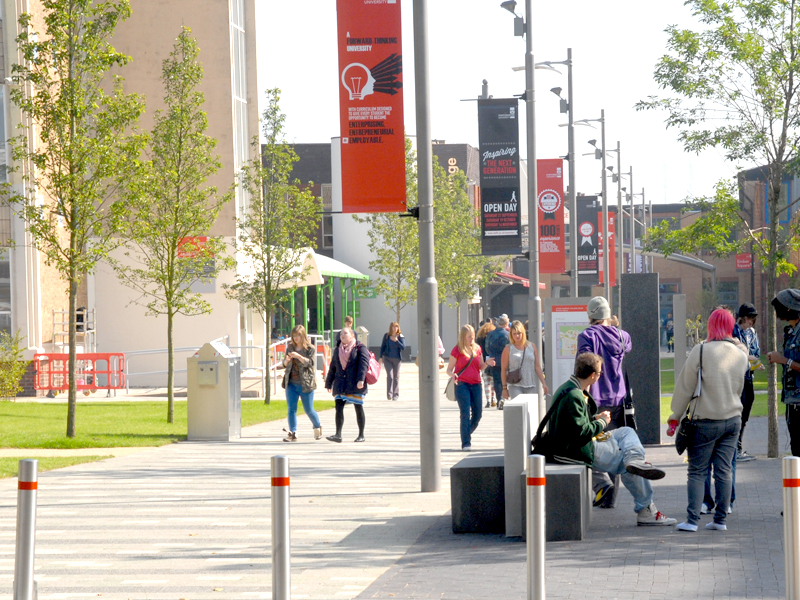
(371, 106)
(498, 139)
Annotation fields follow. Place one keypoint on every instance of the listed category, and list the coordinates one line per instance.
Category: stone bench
(477, 494)
(568, 502)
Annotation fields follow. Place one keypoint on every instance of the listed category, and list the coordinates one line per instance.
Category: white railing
(275, 360)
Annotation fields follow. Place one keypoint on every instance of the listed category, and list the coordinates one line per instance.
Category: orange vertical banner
(371, 106)
(550, 204)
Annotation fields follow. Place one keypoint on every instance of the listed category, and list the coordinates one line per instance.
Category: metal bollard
(791, 525)
(27, 484)
(535, 526)
(281, 538)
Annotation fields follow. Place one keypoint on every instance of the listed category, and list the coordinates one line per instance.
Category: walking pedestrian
(787, 308)
(520, 355)
(465, 366)
(392, 347)
(488, 382)
(346, 381)
(716, 413)
(300, 381)
(496, 342)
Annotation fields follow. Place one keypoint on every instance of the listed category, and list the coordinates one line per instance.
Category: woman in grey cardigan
(300, 381)
(716, 413)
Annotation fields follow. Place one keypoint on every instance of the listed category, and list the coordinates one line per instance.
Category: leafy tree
(733, 85)
(76, 148)
(12, 367)
(172, 207)
(394, 241)
(279, 223)
(461, 269)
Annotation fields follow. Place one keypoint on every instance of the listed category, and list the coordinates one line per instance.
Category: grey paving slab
(618, 560)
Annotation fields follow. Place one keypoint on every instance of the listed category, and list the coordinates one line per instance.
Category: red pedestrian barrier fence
(94, 371)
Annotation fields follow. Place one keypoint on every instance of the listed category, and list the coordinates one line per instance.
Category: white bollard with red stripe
(535, 526)
(27, 485)
(791, 525)
(281, 536)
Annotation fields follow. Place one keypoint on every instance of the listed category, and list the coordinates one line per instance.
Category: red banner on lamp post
(371, 106)
(612, 260)
(550, 204)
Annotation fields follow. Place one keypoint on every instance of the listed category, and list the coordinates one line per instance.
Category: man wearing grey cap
(609, 391)
(787, 308)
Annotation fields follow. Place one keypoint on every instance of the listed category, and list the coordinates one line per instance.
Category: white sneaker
(650, 515)
(716, 526)
(705, 509)
(686, 527)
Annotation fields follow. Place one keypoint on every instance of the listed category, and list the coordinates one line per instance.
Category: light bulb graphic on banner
(358, 81)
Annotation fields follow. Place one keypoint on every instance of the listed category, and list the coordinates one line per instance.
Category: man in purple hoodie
(612, 344)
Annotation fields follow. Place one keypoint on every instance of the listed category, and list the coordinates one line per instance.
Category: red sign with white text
(744, 261)
(612, 261)
(371, 106)
(550, 204)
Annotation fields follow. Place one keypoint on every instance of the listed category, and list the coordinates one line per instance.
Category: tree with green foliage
(461, 269)
(394, 242)
(733, 85)
(279, 223)
(12, 367)
(172, 208)
(78, 146)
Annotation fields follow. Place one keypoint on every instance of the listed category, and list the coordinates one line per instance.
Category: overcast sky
(615, 47)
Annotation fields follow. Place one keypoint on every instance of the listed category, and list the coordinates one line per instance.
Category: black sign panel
(498, 133)
(587, 237)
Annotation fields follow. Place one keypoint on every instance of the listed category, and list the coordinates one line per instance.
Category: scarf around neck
(344, 352)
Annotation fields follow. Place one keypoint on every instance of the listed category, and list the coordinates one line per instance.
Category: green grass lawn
(113, 424)
(9, 466)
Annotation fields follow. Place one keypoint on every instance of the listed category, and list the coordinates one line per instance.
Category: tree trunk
(772, 387)
(170, 367)
(268, 360)
(72, 394)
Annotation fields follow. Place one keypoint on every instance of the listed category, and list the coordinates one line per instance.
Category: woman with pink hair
(716, 368)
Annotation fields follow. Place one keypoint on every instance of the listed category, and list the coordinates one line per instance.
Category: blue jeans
(708, 499)
(714, 444)
(468, 396)
(293, 392)
(611, 457)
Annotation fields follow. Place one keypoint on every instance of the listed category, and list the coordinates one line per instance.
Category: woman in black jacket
(346, 380)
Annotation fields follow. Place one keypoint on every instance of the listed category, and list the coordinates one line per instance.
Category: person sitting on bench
(577, 435)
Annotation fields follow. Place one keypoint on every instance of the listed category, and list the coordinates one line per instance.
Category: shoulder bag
(628, 407)
(515, 376)
(541, 443)
(687, 427)
(450, 388)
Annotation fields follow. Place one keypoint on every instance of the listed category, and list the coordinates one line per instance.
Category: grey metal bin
(214, 394)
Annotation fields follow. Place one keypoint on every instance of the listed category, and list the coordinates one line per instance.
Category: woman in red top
(465, 366)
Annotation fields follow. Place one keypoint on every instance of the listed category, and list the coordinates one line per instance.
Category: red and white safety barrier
(281, 536)
(535, 525)
(27, 486)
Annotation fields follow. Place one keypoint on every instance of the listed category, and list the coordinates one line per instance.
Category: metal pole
(633, 229)
(534, 300)
(27, 485)
(618, 227)
(791, 525)
(644, 232)
(281, 537)
(573, 206)
(606, 253)
(427, 287)
(535, 526)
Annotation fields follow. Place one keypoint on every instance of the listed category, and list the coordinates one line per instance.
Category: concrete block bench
(568, 502)
(477, 495)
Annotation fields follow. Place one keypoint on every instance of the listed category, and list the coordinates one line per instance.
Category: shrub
(12, 367)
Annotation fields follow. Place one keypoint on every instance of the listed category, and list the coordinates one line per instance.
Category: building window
(327, 218)
(728, 293)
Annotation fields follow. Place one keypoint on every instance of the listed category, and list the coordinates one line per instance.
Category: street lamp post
(568, 107)
(534, 300)
(633, 228)
(601, 154)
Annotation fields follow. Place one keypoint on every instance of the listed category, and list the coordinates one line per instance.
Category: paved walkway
(192, 520)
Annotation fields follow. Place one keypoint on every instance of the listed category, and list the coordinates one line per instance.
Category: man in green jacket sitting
(578, 436)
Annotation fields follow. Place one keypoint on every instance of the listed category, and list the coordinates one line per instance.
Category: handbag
(515, 376)
(450, 388)
(541, 443)
(629, 410)
(688, 428)
(373, 371)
